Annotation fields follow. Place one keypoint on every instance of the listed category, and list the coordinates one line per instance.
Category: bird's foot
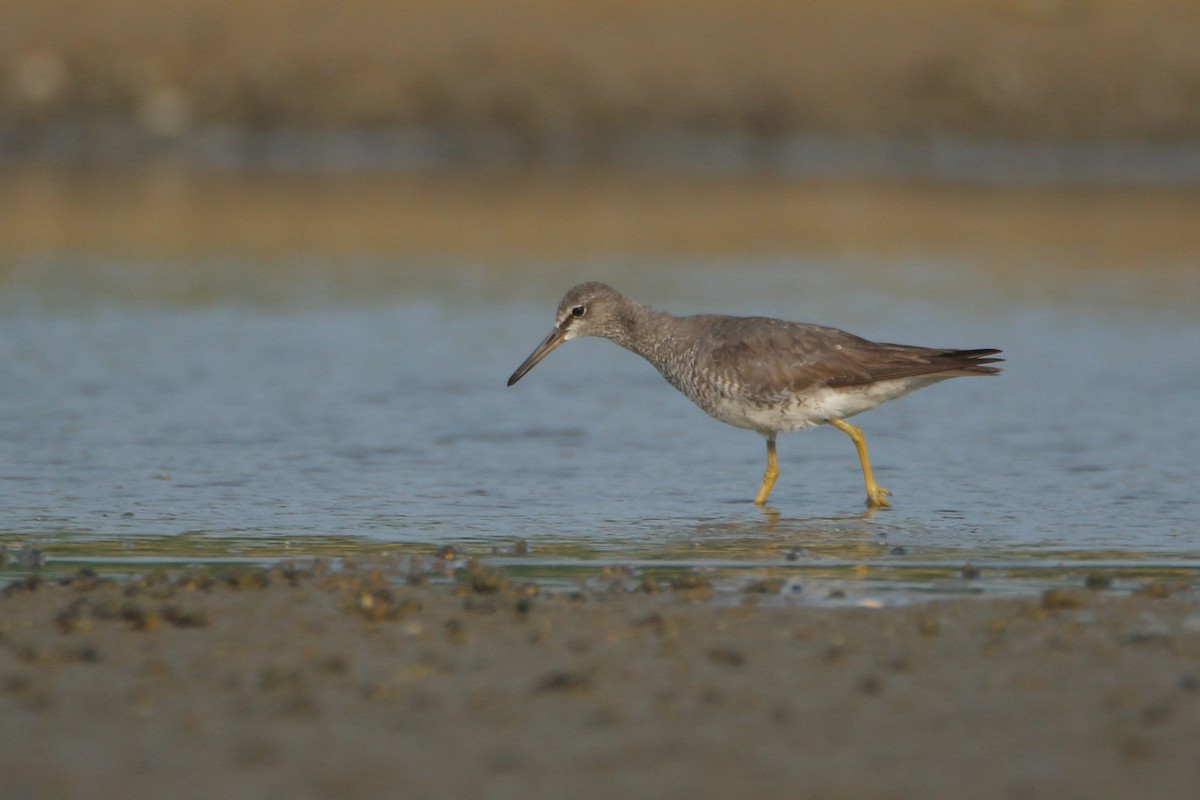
(877, 497)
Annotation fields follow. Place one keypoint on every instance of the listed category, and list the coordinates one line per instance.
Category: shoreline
(504, 216)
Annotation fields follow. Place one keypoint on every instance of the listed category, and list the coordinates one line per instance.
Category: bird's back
(740, 368)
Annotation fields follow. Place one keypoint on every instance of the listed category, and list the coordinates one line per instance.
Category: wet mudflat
(361, 681)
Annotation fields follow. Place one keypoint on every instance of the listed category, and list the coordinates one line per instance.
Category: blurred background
(154, 106)
(265, 264)
(700, 83)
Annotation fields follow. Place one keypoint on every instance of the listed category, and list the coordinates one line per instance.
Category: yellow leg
(770, 475)
(876, 494)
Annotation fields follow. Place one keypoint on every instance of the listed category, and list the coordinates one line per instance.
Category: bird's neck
(645, 331)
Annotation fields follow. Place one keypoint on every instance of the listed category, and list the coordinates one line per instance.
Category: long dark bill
(552, 341)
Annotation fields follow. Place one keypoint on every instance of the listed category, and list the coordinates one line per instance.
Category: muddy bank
(302, 684)
(165, 212)
(568, 80)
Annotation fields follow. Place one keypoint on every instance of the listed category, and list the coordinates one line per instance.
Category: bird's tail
(969, 362)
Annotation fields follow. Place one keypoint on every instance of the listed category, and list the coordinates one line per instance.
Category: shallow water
(360, 407)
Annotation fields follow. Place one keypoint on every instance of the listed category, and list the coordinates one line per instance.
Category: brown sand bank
(499, 217)
(294, 684)
(588, 73)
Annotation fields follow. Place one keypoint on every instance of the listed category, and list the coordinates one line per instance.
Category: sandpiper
(766, 375)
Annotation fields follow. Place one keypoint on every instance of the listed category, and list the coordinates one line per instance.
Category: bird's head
(589, 309)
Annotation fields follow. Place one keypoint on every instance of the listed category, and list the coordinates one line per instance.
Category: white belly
(813, 408)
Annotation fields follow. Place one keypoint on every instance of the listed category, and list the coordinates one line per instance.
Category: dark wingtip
(973, 361)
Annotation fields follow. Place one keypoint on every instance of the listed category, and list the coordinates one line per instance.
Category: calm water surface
(205, 412)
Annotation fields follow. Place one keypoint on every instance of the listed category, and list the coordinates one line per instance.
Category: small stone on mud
(1155, 589)
(250, 579)
(378, 605)
(765, 586)
(691, 583)
(272, 678)
(870, 684)
(455, 631)
(27, 584)
(654, 621)
(1062, 598)
(186, 618)
(564, 681)
(835, 651)
(70, 621)
(485, 579)
(479, 606)
(140, 618)
(333, 665)
(726, 656)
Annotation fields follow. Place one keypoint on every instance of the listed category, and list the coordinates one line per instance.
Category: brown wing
(771, 359)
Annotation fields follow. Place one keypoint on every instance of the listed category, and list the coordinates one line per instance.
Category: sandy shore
(179, 214)
(291, 683)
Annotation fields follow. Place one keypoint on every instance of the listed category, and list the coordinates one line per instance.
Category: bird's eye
(578, 311)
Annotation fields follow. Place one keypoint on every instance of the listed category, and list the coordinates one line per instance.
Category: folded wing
(770, 359)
